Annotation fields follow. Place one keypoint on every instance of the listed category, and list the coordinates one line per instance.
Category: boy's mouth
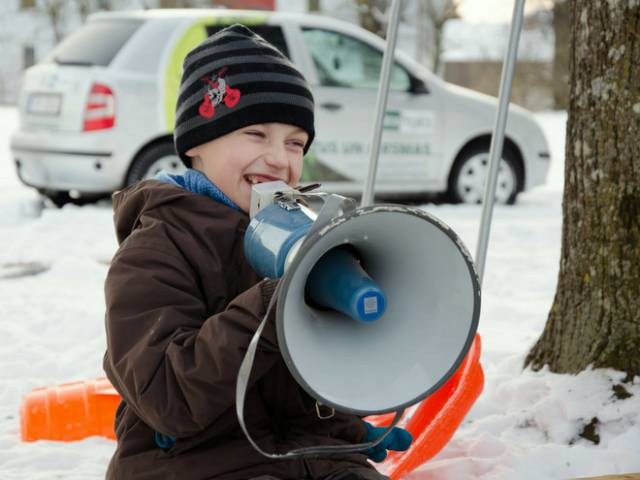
(254, 179)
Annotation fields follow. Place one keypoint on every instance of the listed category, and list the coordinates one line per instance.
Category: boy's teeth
(253, 179)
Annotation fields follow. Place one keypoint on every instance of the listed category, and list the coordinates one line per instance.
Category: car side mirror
(418, 87)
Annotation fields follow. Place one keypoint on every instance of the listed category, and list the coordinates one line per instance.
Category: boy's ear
(192, 152)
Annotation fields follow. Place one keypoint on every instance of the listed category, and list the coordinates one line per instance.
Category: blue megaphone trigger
(338, 281)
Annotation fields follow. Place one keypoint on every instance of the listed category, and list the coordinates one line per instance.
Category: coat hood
(145, 198)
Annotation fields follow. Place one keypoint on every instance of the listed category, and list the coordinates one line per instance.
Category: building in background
(474, 53)
(23, 34)
(30, 28)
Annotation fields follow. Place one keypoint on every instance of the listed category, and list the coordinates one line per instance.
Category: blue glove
(398, 439)
(165, 442)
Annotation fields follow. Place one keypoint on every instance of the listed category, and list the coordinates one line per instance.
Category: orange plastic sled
(69, 412)
(436, 419)
(77, 410)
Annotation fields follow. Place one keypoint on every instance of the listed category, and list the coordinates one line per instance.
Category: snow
(525, 425)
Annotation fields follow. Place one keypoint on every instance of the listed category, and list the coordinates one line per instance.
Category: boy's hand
(398, 439)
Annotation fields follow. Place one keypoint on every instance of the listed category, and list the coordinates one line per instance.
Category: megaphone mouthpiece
(339, 282)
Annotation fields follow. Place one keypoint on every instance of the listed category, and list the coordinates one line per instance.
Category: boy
(182, 302)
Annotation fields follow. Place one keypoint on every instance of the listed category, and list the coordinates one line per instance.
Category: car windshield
(96, 43)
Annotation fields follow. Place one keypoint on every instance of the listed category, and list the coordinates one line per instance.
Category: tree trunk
(595, 317)
(313, 5)
(439, 13)
(438, 31)
(561, 27)
(53, 10)
(422, 20)
(368, 20)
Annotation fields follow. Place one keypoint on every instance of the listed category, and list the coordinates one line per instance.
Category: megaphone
(425, 277)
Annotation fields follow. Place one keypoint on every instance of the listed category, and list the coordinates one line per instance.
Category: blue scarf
(197, 182)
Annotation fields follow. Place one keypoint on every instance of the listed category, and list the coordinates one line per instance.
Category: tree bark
(595, 317)
(53, 9)
(313, 5)
(561, 27)
(368, 19)
(439, 14)
(438, 29)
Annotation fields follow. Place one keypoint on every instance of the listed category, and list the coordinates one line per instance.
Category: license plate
(44, 104)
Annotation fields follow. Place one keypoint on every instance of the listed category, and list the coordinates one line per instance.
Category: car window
(96, 43)
(270, 33)
(344, 61)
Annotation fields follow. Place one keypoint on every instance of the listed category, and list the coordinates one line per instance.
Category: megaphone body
(273, 237)
(428, 285)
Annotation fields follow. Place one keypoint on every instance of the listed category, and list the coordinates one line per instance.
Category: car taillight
(100, 109)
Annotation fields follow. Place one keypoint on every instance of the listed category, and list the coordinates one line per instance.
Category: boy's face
(264, 152)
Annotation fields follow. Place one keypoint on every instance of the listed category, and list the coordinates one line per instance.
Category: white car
(97, 114)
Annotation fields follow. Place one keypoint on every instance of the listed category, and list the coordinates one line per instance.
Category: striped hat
(234, 79)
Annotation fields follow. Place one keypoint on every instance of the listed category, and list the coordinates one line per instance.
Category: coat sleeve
(173, 366)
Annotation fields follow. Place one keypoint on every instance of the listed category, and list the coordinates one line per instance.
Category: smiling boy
(258, 153)
(182, 303)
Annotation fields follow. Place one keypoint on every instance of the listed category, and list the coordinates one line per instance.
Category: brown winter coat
(181, 307)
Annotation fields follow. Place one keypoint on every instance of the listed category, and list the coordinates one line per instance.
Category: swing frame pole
(381, 102)
(497, 138)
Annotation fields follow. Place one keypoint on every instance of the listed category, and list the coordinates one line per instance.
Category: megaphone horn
(432, 309)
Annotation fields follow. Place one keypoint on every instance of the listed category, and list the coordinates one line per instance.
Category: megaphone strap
(241, 390)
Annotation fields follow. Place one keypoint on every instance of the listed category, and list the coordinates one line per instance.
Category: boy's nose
(277, 158)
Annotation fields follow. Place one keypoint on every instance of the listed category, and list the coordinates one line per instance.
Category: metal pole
(497, 139)
(381, 102)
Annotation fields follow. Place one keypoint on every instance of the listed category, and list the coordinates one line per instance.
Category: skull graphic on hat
(219, 91)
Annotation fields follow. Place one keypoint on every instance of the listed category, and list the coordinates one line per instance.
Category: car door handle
(331, 106)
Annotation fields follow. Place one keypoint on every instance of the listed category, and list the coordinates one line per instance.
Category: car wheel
(60, 198)
(57, 197)
(154, 159)
(469, 173)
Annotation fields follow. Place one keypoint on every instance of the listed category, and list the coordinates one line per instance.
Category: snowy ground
(525, 425)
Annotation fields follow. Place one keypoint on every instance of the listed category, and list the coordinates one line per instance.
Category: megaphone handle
(241, 390)
(333, 206)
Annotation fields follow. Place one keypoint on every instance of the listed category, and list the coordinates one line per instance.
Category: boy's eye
(297, 143)
(255, 133)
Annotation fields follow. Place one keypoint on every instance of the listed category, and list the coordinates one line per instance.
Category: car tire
(469, 171)
(161, 156)
(59, 198)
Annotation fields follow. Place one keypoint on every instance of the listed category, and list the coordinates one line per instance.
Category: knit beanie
(234, 79)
